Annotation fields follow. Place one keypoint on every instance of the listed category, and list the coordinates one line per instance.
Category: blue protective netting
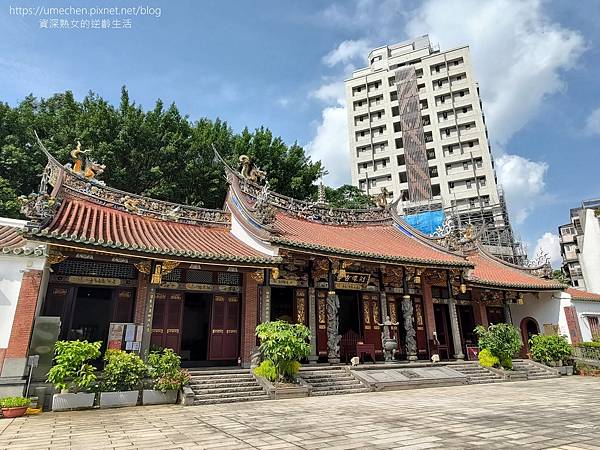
(426, 222)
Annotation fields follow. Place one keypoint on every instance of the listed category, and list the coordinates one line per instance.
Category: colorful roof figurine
(83, 212)
(579, 294)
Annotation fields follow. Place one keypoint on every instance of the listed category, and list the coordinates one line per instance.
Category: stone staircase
(225, 386)
(475, 373)
(331, 381)
(534, 370)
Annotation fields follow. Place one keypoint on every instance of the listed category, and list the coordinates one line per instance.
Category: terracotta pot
(9, 413)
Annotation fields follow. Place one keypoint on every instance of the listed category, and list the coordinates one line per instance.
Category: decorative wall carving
(333, 336)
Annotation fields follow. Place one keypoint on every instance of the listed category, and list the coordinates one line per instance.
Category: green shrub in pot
(71, 370)
(551, 350)
(123, 371)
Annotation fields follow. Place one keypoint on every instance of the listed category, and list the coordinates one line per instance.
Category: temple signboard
(353, 281)
(96, 281)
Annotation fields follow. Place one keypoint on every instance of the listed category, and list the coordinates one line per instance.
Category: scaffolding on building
(497, 235)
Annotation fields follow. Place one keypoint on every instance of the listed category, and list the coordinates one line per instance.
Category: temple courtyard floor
(555, 413)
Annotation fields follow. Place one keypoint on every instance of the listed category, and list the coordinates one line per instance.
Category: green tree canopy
(159, 153)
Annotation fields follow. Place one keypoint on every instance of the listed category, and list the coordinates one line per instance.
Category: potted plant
(553, 351)
(167, 378)
(72, 375)
(14, 406)
(282, 345)
(121, 379)
(503, 342)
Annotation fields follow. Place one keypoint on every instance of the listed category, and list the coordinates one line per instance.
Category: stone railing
(587, 355)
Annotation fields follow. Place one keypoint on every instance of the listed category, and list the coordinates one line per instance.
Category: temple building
(200, 280)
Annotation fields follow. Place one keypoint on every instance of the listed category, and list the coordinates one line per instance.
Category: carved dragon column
(333, 321)
(411, 334)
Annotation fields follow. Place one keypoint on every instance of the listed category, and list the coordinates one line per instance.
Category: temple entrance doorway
(350, 322)
(466, 325)
(282, 304)
(195, 327)
(529, 328)
(443, 330)
(92, 314)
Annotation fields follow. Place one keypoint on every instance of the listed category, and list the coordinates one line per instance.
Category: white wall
(11, 274)
(583, 310)
(545, 309)
(590, 252)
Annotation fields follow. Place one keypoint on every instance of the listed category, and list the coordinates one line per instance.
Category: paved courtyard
(556, 413)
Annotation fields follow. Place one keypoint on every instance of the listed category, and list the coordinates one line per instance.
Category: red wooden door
(371, 317)
(166, 320)
(224, 327)
(419, 324)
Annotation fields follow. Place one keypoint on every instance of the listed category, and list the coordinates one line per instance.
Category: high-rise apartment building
(580, 246)
(417, 128)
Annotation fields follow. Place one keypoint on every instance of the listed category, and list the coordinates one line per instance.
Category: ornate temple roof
(79, 221)
(12, 242)
(578, 294)
(492, 272)
(388, 242)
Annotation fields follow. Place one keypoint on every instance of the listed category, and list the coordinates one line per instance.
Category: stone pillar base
(412, 358)
(333, 360)
(460, 357)
(312, 359)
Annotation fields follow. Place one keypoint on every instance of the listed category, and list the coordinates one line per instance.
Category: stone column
(407, 317)
(333, 322)
(458, 354)
(384, 312)
(147, 321)
(265, 304)
(507, 314)
(312, 324)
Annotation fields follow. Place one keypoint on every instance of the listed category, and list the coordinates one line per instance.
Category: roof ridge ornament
(457, 238)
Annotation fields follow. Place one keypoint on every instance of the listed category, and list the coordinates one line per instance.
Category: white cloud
(523, 183)
(592, 124)
(347, 51)
(330, 145)
(550, 245)
(519, 56)
(330, 92)
(518, 53)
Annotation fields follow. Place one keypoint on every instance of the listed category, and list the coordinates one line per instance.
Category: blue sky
(282, 64)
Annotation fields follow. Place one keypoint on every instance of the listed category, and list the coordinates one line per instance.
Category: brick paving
(555, 413)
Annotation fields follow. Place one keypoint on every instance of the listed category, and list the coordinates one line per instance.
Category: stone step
(209, 385)
(325, 385)
(229, 400)
(202, 391)
(234, 376)
(337, 387)
(224, 382)
(328, 379)
(340, 392)
(229, 395)
(219, 371)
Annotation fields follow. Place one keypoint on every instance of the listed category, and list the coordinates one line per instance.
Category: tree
(347, 196)
(158, 153)
(561, 277)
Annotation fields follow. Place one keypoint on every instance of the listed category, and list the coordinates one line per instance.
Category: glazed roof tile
(12, 242)
(494, 273)
(81, 221)
(386, 242)
(579, 294)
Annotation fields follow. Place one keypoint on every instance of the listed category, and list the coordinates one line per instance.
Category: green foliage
(164, 367)
(267, 370)
(283, 343)
(594, 344)
(347, 196)
(123, 371)
(561, 277)
(14, 402)
(502, 340)
(71, 370)
(550, 349)
(486, 359)
(158, 152)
